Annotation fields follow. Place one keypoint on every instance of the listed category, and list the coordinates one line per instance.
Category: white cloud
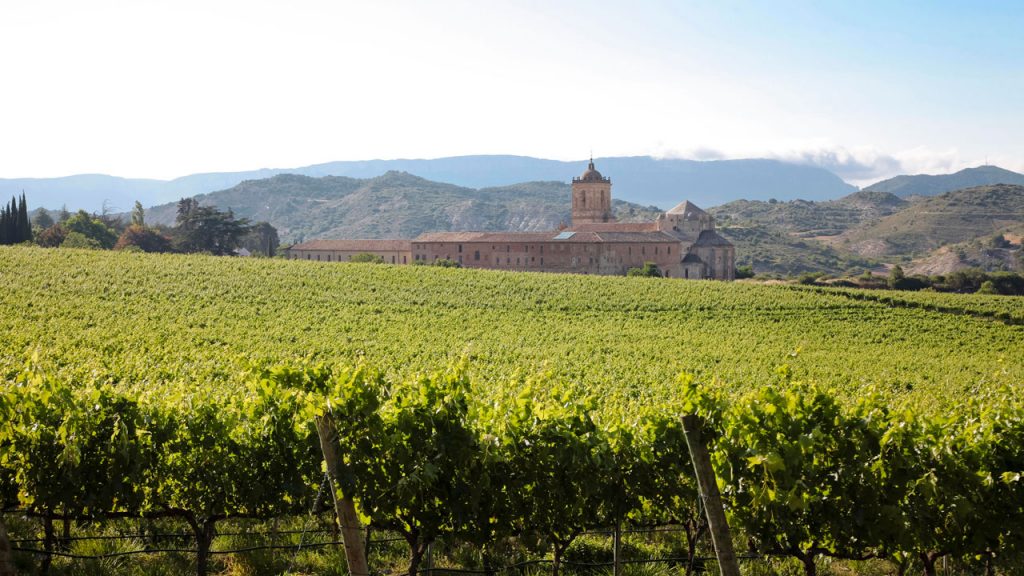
(865, 165)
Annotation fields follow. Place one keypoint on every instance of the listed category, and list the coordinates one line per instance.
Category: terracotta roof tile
(711, 238)
(616, 227)
(355, 245)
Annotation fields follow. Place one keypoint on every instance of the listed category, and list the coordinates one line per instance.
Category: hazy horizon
(160, 90)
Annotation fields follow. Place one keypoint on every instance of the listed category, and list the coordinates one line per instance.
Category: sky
(161, 89)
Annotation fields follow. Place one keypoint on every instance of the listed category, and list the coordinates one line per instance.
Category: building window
(643, 249)
(541, 260)
(533, 258)
(655, 250)
(460, 248)
(669, 250)
(403, 260)
(392, 259)
(476, 255)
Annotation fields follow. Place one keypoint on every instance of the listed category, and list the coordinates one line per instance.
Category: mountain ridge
(639, 179)
(393, 205)
(935, 184)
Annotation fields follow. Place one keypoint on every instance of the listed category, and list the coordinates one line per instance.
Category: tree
(15, 227)
(52, 237)
(896, 277)
(262, 239)
(206, 229)
(138, 215)
(146, 239)
(92, 228)
(42, 219)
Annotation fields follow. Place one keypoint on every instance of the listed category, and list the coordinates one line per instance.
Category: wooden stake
(344, 506)
(708, 488)
(617, 550)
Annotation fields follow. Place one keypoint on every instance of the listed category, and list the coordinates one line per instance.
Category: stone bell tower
(591, 197)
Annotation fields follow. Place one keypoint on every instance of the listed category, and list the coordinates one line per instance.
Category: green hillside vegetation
(811, 218)
(931, 223)
(932, 185)
(779, 237)
(774, 251)
(394, 205)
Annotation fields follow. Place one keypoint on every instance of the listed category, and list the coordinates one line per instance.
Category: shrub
(650, 270)
(79, 240)
(145, 239)
(367, 258)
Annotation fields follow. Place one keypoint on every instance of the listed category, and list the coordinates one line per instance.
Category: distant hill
(933, 235)
(809, 219)
(638, 179)
(927, 225)
(783, 237)
(933, 185)
(394, 205)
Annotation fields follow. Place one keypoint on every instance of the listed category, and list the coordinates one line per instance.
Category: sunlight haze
(162, 89)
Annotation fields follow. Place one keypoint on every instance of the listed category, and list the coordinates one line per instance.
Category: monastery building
(682, 242)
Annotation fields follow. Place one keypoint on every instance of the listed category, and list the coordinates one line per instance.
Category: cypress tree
(26, 224)
(13, 234)
(5, 227)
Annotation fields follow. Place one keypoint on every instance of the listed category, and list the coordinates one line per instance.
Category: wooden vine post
(617, 550)
(707, 486)
(6, 562)
(344, 506)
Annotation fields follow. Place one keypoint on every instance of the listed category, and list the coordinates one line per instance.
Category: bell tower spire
(591, 196)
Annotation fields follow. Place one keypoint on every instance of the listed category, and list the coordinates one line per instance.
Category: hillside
(395, 205)
(641, 179)
(933, 185)
(931, 223)
(811, 218)
(783, 237)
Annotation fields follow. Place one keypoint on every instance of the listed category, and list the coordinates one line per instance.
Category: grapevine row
(802, 473)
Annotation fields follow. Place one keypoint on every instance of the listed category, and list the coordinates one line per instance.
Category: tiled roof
(616, 227)
(355, 245)
(711, 238)
(692, 258)
(574, 236)
(689, 211)
(485, 237)
(636, 237)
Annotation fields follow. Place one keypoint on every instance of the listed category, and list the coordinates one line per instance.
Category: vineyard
(506, 411)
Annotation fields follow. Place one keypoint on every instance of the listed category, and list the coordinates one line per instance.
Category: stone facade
(392, 251)
(682, 242)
